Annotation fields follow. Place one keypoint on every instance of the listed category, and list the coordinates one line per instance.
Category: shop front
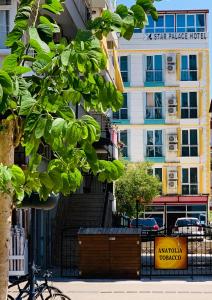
(166, 210)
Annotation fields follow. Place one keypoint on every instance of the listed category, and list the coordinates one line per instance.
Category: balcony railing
(154, 151)
(154, 112)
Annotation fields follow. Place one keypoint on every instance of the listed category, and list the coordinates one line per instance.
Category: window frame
(195, 23)
(118, 114)
(189, 183)
(189, 145)
(154, 108)
(10, 8)
(188, 70)
(154, 145)
(188, 107)
(124, 145)
(124, 72)
(153, 71)
(155, 29)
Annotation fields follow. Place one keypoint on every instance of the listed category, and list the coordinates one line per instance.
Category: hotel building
(165, 116)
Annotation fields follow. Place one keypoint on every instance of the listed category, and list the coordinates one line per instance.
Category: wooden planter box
(110, 253)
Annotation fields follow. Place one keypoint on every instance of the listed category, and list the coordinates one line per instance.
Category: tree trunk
(7, 158)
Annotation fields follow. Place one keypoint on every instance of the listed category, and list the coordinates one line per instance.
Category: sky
(182, 4)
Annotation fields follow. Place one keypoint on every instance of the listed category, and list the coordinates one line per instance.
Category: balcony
(154, 115)
(154, 153)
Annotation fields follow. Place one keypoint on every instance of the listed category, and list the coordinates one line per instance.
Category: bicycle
(41, 291)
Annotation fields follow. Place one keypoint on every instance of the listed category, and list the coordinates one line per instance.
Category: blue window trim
(199, 24)
(154, 121)
(155, 159)
(121, 121)
(154, 83)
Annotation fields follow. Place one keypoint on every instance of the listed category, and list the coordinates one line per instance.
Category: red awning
(181, 199)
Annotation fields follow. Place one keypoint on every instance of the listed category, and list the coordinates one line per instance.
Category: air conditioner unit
(172, 184)
(172, 147)
(171, 58)
(172, 138)
(172, 187)
(171, 68)
(172, 175)
(172, 110)
(172, 101)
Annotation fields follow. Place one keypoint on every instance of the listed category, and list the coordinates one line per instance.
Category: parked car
(147, 225)
(190, 227)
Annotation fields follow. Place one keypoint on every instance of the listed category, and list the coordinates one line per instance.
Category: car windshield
(187, 222)
(145, 222)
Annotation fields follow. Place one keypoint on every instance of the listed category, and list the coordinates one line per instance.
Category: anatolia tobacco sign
(171, 253)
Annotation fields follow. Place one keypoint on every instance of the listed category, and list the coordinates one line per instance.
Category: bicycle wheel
(58, 297)
(51, 289)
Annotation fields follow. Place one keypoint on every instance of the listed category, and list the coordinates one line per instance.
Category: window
(189, 105)
(154, 143)
(189, 142)
(189, 181)
(154, 70)
(153, 105)
(124, 140)
(169, 23)
(123, 112)
(124, 68)
(163, 24)
(156, 172)
(150, 28)
(5, 2)
(4, 27)
(200, 22)
(189, 68)
(191, 23)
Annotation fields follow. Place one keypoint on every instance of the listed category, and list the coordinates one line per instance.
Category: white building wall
(135, 107)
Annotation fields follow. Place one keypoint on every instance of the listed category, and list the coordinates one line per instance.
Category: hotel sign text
(177, 36)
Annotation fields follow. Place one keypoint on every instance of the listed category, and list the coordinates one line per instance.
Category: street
(144, 289)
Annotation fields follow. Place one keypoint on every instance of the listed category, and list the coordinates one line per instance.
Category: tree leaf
(40, 128)
(45, 32)
(65, 57)
(35, 41)
(10, 63)
(57, 126)
(6, 82)
(53, 6)
(18, 176)
(13, 36)
(27, 102)
(19, 70)
(46, 180)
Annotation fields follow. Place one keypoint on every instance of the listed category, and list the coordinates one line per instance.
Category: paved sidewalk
(134, 290)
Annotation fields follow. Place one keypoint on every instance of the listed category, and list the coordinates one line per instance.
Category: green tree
(36, 109)
(136, 184)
